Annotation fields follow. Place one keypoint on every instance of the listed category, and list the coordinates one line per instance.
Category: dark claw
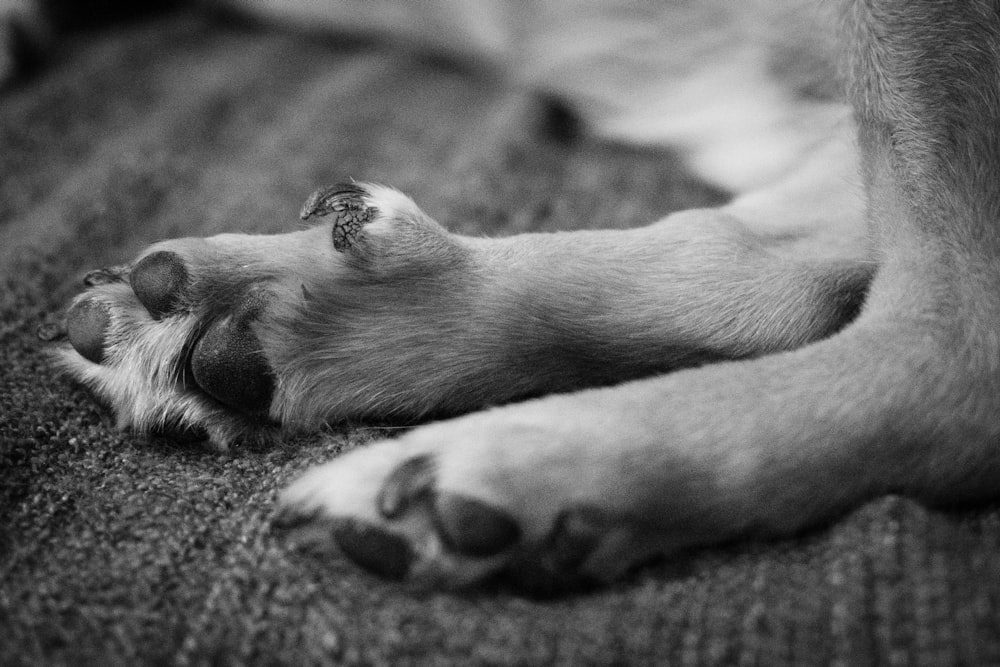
(351, 213)
(374, 549)
(87, 324)
(326, 200)
(160, 281)
(473, 528)
(227, 361)
(51, 331)
(105, 276)
(286, 520)
(409, 482)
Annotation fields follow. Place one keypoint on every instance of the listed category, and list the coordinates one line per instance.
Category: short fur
(844, 371)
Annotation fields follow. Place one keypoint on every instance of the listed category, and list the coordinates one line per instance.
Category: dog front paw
(539, 499)
(169, 343)
(241, 338)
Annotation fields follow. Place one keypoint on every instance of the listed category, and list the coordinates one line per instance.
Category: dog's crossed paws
(377, 311)
(221, 337)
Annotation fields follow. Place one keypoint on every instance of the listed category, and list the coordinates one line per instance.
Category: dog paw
(224, 337)
(523, 494)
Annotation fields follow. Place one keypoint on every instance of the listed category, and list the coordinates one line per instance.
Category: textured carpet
(116, 549)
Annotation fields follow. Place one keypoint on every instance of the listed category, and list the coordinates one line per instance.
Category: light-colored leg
(394, 317)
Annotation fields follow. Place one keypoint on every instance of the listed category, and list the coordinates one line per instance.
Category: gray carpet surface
(120, 549)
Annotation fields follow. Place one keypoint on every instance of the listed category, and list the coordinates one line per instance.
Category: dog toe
(227, 361)
(466, 526)
(160, 281)
(87, 326)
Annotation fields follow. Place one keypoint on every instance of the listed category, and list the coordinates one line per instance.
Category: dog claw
(50, 331)
(286, 520)
(105, 276)
(331, 199)
(345, 201)
(408, 482)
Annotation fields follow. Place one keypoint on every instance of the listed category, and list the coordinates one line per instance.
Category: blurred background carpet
(117, 549)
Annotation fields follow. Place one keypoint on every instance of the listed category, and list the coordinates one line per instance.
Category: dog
(830, 335)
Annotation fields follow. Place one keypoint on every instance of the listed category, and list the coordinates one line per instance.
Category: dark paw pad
(556, 566)
(374, 549)
(86, 325)
(473, 528)
(160, 281)
(227, 361)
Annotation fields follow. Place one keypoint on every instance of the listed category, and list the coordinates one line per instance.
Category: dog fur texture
(828, 336)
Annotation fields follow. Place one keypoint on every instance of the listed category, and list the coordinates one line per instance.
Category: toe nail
(50, 331)
(86, 325)
(105, 276)
(323, 201)
(409, 481)
(375, 549)
(159, 280)
(286, 520)
(472, 527)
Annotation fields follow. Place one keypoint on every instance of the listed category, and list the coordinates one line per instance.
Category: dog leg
(906, 399)
(378, 312)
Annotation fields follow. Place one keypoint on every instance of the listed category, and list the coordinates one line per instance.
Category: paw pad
(86, 326)
(473, 528)
(467, 526)
(160, 281)
(227, 361)
(374, 549)
(578, 531)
